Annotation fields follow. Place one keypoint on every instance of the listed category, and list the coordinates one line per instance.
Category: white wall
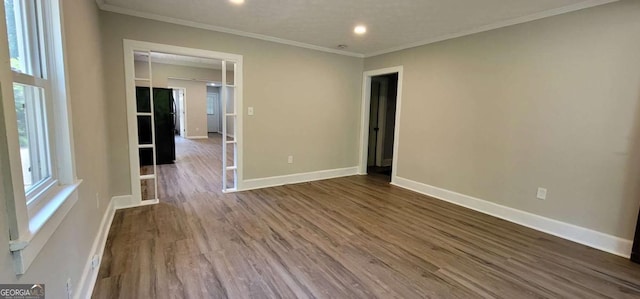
(195, 106)
(68, 250)
(552, 103)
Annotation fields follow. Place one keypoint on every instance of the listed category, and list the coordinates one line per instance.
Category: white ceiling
(325, 24)
(180, 60)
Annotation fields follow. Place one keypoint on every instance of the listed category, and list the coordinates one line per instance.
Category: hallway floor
(353, 237)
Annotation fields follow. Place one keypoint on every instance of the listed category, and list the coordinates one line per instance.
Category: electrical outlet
(95, 261)
(290, 160)
(542, 193)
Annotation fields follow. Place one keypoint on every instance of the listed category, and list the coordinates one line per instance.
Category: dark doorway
(382, 121)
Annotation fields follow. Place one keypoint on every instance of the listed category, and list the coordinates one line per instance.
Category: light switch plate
(250, 110)
(542, 193)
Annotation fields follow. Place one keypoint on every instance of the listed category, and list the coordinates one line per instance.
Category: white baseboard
(122, 201)
(197, 137)
(220, 132)
(90, 274)
(585, 236)
(127, 201)
(89, 277)
(296, 178)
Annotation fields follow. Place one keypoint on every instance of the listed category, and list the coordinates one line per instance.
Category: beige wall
(195, 106)
(306, 102)
(162, 72)
(551, 103)
(65, 254)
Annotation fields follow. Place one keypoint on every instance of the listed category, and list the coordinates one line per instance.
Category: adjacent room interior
(180, 128)
(382, 119)
(332, 149)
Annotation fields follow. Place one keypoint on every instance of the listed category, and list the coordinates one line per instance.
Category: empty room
(320, 149)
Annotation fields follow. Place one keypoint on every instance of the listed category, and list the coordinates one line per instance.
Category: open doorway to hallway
(382, 113)
(188, 122)
(380, 122)
(180, 150)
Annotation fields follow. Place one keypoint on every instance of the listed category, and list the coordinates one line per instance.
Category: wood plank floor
(354, 237)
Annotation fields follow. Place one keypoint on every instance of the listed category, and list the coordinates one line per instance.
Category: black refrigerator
(164, 115)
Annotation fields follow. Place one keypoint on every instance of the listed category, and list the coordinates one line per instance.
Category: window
(46, 171)
(30, 88)
(212, 99)
(32, 133)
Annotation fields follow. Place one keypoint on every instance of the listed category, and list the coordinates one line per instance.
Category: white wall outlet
(542, 193)
(250, 110)
(95, 261)
(290, 160)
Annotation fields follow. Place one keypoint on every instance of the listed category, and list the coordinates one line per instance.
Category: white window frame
(35, 215)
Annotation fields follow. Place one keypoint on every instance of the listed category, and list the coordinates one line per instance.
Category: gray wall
(550, 103)
(318, 92)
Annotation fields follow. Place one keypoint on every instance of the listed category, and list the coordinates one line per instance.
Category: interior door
(182, 112)
(635, 250)
(374, 114)
(212, 112)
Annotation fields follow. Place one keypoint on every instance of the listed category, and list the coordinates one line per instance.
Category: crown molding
(540, 15)
(125, 11)
(507, 23)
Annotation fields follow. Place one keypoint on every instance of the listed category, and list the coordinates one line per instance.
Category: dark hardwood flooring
(353, 237)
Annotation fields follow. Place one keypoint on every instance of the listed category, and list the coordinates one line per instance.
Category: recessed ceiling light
(360, 29)
(237, 1)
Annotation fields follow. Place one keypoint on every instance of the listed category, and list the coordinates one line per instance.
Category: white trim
(151, 16)
(89, 276)
(129, 201)
(364, 117)
(42, 226)
(297, 178)
(122, 201)
(488, 27)
(84, 289)
(501, 24)
(578, 234)
(197, 137)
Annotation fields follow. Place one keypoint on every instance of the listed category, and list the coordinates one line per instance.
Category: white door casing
(131, 46)
(364, 118)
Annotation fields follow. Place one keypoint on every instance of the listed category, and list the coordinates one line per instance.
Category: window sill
(42, 225)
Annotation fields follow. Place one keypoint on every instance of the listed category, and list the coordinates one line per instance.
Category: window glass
(23, 36)
(32, 133)
(211, 99)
